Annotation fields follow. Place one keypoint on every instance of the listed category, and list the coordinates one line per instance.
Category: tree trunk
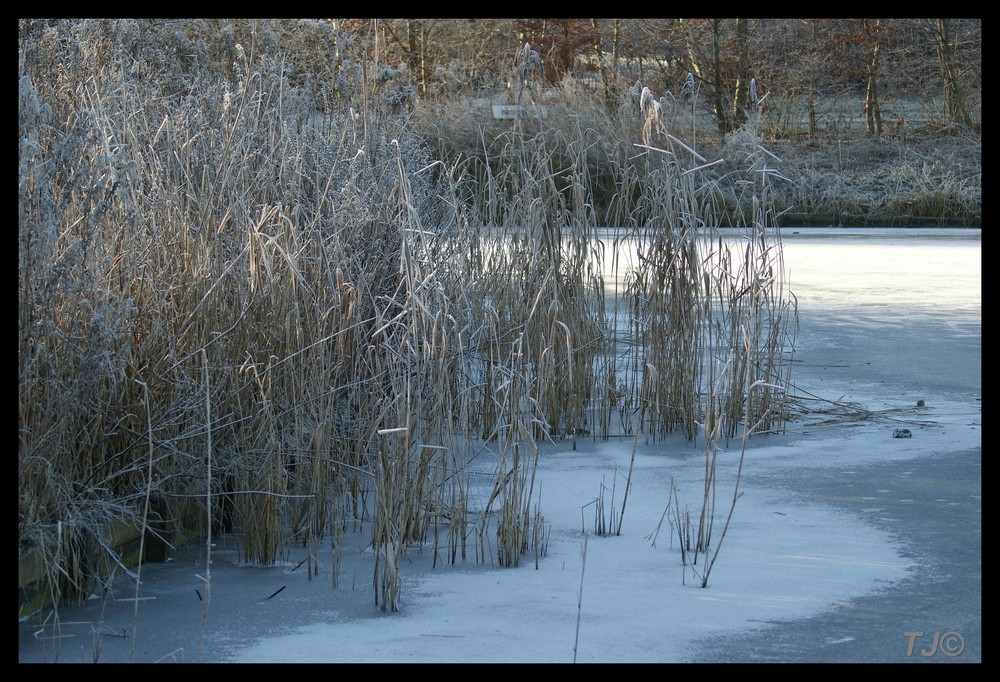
(615, 42)
(415, 53)
(722, 117)
(954, 95)
(719, 108)
(601, 69)
(811, 103)
(873, 113)
(740, 98)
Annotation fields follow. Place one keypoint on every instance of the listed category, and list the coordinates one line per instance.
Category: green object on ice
(902, 433)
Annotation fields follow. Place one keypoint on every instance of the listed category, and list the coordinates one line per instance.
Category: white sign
(510, 111)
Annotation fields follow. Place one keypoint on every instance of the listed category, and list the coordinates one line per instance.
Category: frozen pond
(896, 269)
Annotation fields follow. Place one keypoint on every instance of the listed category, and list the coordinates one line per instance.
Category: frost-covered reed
(383, 337)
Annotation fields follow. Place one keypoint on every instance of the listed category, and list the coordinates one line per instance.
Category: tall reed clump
(755, 318)
(235, 223)
(80, 406)
(742, 319)
(543, 248)
(695, 306)
(194, 220)
(414, 336)
(539, 329)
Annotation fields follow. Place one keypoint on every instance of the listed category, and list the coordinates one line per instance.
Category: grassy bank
(903, 181)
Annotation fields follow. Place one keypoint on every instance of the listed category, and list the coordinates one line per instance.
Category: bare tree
(722, 69)
(873, 112)
(741, 95)
(954, 92)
